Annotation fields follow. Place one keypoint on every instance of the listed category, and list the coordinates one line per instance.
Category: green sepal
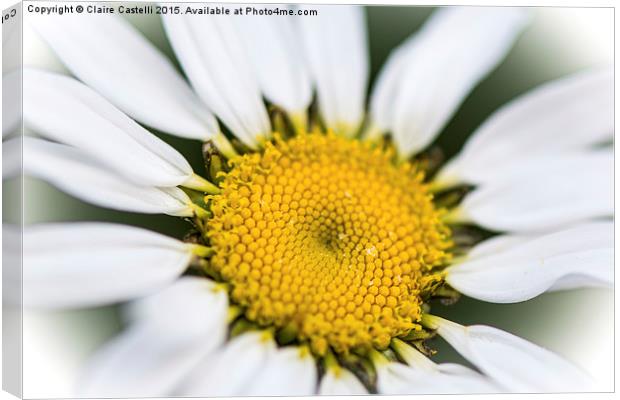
(242, 325)
(206, 267)
(215, 162)
(362, 367)
(429, 284)
(449, 198)
(196, 197)
(446, 295)
(421, 346)
(281, 122)
(418, 335)
(234, 312)
(287, 335)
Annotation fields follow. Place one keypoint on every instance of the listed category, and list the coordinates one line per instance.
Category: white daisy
(315, 242)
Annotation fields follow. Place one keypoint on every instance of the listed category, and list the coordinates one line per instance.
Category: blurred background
(578, 325)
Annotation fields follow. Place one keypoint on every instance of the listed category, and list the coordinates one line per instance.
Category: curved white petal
(88, 264)
(516, 364)
(583, 255)
(71, 170)
(230, 369)
(340, 381)
(423, 376)
(157, 351)
(65, 110)
(273, 47)
(457, 378)
(392, 377)
(400, 379)
(545, 195)
(111, 56)
(431, 74)
(289, 371)
(387, 87)
(337, 54)
(567, 114)
(216, 63)
(496, 245)
(11, 106)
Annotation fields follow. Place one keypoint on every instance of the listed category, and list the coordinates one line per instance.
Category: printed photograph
(215, 200)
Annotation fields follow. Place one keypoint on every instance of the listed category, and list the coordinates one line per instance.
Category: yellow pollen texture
(328, 239)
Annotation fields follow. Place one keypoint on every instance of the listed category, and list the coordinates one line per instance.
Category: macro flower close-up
(325, 232)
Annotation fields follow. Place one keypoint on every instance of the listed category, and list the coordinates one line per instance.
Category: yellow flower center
(327, 238)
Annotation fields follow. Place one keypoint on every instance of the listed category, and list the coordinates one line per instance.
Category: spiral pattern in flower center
(327, 238)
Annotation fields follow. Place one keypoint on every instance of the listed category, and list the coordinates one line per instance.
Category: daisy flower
(322, 230)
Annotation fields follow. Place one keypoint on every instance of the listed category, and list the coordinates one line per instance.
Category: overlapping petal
(581, 256)
(514, 363)
(339, 381)
(154, 354)
(231, 369)
(273, 47)
(423, 376)
(79, 175)
(217, 64)
(430, 75)
(90, 264)
(287, 371)
(336, 51)
(568, 114)
(497, 244)
(545, 194)
(111, 56)
(67, 111)
(396, 378)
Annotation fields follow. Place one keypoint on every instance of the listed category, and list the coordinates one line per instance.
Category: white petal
(516, 364)
(386, 89)
(229, 370)
(340, 381)
(273, 47)
(216, 63)
(439, 71)
(156, 352)
(456, 379)
(496, 245)
(545, 195)
(566, 114)
(400, 379)
(68, 111)
(337, 55)
(584, 255)
(289, 371)
(111, 56)
(393, 377)
(425, 377)
(81, 176)
(11, 104)
(88, 264)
